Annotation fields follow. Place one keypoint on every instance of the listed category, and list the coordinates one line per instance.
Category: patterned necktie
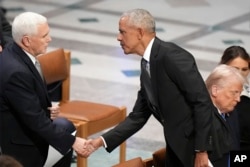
(146, 80)
(223, 115)
(38, 67)
(146, 66)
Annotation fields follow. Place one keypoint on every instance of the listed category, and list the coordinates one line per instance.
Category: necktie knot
(146, 65)
(37, 64)
(223, 115)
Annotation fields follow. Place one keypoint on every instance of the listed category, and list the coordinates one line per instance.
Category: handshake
(84, 147)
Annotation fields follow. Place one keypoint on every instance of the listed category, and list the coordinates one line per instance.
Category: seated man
(224, 85)
(25, 107)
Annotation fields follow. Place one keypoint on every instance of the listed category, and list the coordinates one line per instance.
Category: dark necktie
(146, 80)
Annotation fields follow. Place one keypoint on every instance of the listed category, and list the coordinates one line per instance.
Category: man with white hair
(224, 85)
(26, 125)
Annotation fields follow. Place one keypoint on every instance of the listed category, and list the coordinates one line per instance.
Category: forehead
(124, 26)
(44, 27)
(238, 62)
(123, 21)
(235, 85)
(41, 30)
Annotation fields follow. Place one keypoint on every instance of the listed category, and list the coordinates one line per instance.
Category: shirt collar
(32, 58)
(219, 111)
(226, 114)
(147, 52)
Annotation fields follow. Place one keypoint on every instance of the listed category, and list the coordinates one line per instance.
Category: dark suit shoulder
(170, 49)
(12, 59)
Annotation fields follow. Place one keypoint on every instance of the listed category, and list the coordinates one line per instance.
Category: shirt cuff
(104, 142)
(200, 151)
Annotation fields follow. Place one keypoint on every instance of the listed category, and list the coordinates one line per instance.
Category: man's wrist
(103, 142)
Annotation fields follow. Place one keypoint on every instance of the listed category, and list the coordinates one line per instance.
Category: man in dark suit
(172, 89)
(224, 85)
(26, 126)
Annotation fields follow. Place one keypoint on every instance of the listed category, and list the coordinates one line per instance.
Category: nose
(242, 73)
(237, 98)
(49, 38)
(118, 37)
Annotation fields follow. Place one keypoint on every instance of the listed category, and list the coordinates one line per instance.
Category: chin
(45, 50)
(232, 109)
(127, 52)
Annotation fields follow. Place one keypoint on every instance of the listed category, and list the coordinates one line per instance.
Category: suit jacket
(224, 139)
(26, 129)
(184, 107)
(232, 119)
(242, 108)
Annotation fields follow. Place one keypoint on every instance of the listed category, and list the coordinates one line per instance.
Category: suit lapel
(153, 66)
(26, 60)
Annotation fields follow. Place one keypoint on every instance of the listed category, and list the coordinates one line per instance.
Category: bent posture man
(172, 89)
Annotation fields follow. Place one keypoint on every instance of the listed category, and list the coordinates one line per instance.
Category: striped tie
(223, 115)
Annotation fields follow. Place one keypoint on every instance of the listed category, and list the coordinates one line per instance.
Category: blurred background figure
(236, 56)
(8, 161)
(5, 29)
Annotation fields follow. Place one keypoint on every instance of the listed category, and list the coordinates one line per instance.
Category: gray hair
(140, 18)
(223, 75)
(26, 24)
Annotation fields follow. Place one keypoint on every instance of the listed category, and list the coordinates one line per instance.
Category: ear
(26, 41)
(140, 33)
(214, 90)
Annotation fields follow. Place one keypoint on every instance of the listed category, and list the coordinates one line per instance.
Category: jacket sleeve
(133, 122)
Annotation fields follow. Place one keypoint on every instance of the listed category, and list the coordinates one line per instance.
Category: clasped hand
(54, 112)
(86, 147)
